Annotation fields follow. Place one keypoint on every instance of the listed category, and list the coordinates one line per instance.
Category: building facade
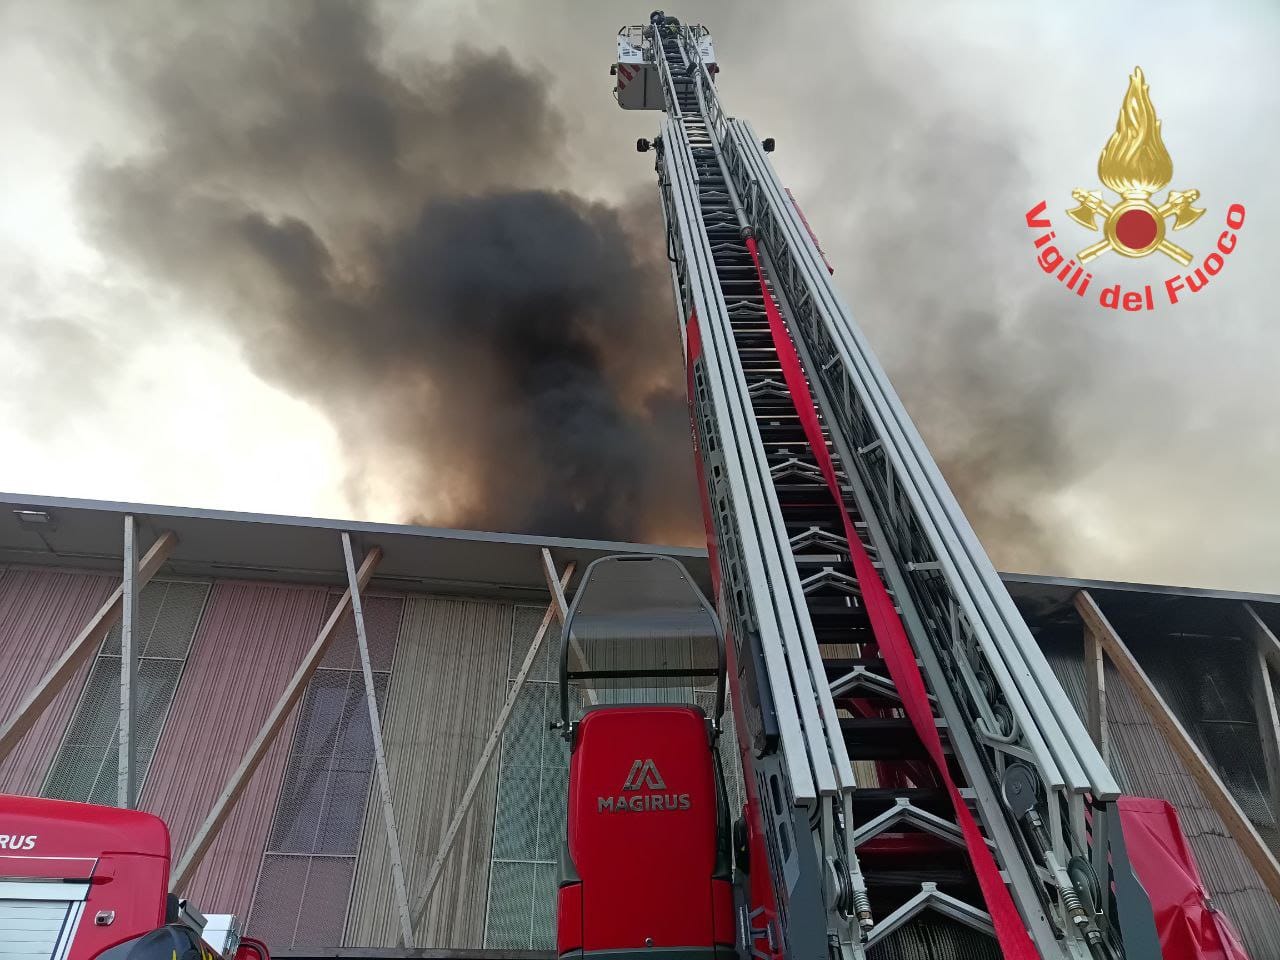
(230, 617)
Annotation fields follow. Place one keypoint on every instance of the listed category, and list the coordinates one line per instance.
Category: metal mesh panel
(150, 599)
(324, 902)
(298, 810)
(525, 731)
(532, 771)
(552, 812)
(278, 901)
(527, 620)
(382, 627)
(326, 782)
(320, 814)
(513, 889)
(342, 652)
(78, 765)
(515, 824)
(175, 622)
(542, 927)
(85, 766)
(554, 751)
(343, 815)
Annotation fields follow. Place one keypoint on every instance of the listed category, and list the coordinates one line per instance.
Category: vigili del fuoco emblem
(1136, 165)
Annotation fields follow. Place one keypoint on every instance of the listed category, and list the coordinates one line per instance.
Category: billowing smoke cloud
(992, 372)
(306, 177)
(388, 243)
(1080, 441)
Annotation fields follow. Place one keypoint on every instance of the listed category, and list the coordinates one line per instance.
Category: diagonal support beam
(379, 755)
(1206, 778)
(226, 801)
(84, 646)
(495, 735)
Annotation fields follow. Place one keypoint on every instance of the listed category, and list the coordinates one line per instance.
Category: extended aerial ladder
(918, 784)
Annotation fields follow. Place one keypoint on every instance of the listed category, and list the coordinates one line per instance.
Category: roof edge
(30, 501)
(1126, 587)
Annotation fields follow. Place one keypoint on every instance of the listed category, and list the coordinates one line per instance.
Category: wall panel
(447, 686)
(41, 612)
(250, 641)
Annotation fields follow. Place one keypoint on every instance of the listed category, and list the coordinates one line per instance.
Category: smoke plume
(388, 243)
(406, 241)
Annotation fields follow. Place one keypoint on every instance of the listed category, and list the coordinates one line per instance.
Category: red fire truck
(82, 882)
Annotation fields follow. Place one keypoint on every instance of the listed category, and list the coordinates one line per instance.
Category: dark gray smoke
(388, 244)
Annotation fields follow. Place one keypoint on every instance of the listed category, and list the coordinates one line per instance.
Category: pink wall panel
(251, 639)
(41, 612)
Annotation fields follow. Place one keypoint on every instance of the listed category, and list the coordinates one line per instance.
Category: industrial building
(234, 602)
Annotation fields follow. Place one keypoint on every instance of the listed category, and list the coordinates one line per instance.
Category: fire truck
(84, 882)
(915, 782)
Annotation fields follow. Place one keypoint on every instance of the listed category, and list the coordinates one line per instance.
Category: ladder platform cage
(640, 631)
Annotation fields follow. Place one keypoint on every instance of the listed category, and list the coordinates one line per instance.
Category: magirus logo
(1135, 165)
(644, 776)
(644, 773)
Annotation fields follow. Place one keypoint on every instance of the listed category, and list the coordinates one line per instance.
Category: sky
(219, 289)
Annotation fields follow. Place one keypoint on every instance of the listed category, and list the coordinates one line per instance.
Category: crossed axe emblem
(1150, 222)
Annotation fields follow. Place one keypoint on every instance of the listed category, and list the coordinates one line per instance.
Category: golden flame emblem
(1135, 164)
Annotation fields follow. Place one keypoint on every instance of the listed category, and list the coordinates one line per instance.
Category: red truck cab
(83, 882)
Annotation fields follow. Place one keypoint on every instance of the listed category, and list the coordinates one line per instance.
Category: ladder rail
(681, 175)
(783, 615)
(1080, 761)
(702, 299)
(1024, 882)
(1061, 754)
(1039, 716)
(995, 702)
(752, 616)
(820, 712)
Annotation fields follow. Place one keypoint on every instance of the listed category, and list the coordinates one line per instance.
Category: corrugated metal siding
(447, 687)
(250, 640)
(41, 611)
(1146, 765)
(319, 818)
